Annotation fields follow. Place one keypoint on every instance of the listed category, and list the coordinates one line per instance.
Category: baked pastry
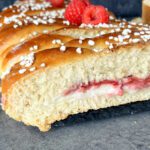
(50, 75)
(146, 11)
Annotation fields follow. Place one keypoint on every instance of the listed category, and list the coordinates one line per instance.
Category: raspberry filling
(111, 87)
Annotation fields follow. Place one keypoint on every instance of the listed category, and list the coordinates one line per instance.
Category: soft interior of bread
(77, 33)
(38, 100)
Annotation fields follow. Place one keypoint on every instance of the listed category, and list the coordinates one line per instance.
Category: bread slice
(57, 84)
(72, 69)
(146, 11)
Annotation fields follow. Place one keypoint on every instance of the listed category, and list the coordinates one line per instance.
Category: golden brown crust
(110, 37)
(51, 58)
(8, 43)
(24, 32)
(17, 33)
(13, 11)
(44, 41)
(146, 12)
(11, 55)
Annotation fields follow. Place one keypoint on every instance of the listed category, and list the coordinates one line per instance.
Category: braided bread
(51, 69)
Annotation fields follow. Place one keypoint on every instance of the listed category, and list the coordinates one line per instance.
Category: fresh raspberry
(87, 2)
(56, 3)
(95, 15)
(74, 11)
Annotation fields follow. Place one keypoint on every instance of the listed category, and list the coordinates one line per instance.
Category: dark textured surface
(4, 3)
(121, 128)
(122, 8)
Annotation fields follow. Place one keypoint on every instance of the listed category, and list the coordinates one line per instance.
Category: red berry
(95, 15)
(74, 11)
(56, 3)
(87, 2)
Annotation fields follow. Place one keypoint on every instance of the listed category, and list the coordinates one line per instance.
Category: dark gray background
(120, 128)
(123, 8)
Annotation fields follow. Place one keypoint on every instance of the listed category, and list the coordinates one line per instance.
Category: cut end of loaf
(66, 107)
(48, 105)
